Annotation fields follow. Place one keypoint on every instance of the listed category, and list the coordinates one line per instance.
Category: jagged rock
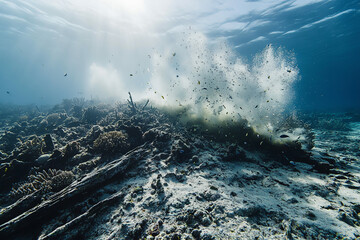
(49, 145)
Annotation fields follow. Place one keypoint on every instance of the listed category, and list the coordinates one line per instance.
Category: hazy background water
(98, 45)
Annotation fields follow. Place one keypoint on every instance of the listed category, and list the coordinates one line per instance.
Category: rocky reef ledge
(81, 170)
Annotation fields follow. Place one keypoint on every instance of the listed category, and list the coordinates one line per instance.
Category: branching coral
(51, 180)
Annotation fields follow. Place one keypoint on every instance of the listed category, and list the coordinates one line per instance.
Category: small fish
(7, 92)
(199, 82)
(246, 134)
(267, 101)
(268, 77)
(131, 74)
(261, 143)
(174, 54)
(162, 97)
(65, 74)
(284, 136)
(177, 75)
(256, 106)
(204, 88)
(289, 71)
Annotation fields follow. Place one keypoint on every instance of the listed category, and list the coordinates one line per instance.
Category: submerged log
(75, 192)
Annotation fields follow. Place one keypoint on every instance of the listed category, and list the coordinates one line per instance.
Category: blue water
(107, 49)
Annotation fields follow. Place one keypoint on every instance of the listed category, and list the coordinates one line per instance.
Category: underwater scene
(178, 120)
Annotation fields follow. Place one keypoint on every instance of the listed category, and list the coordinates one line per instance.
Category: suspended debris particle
(174, 54)
(289, 71)
(261, 143)
(284, 136)
(199, 82)
(246, 134)
(7, 92)
(65, 74)
(268, 77)
(267, 101)
(256, 106)
(177, 75)
(131, 74)
(162, 97)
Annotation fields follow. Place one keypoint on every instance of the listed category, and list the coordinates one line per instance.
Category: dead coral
(92, 115)
(111, 142)
(30, 149)
(71, 149)
(51, 180)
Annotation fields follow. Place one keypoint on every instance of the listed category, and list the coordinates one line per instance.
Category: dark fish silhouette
(7, 92)
(65, 74)
(284, 136)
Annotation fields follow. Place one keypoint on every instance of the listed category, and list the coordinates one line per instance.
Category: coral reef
(82, 170)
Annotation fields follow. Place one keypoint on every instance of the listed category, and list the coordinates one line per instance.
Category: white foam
(214, 83)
